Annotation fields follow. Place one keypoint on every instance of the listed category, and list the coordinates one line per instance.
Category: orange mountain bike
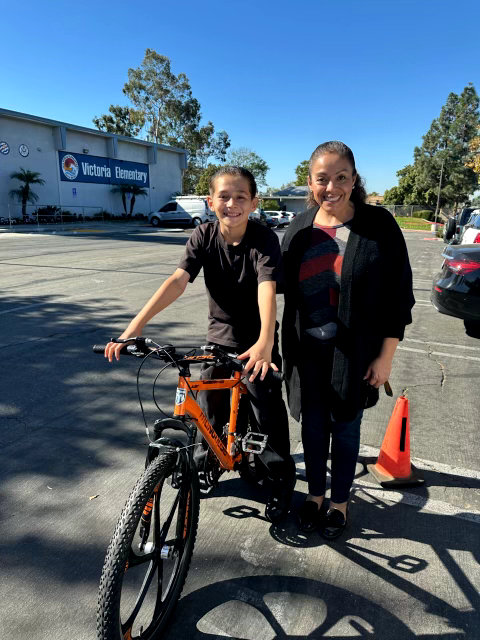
(150, 552)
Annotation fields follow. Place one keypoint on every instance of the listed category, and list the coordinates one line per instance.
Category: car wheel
(196, 222)
(472, 328)
(154, 221)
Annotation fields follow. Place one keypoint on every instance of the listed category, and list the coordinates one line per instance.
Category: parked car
(263, 217)
(182, 211)
(456, 289)
(471, 231)
(452, 231)
(258, 216)
(279, 216)
(290, 214)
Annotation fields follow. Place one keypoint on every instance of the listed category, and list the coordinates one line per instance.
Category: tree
(123, 121)
(165, 99)
(122, 189)
(302, 174)
(270, 205)
(24, 194)
(447, 145)
(136, 191)
(446, 148)
(373, 194)
(173, 115)
(392, 196)
(203, 184)
(407, 191)
(473, 161)
(248, 159)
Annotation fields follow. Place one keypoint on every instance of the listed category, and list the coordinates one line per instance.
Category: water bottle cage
(254, 442)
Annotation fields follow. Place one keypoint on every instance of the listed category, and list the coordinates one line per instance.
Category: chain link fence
(407, 210)
(41, 215)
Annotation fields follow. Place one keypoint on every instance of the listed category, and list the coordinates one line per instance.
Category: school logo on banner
(70, 167)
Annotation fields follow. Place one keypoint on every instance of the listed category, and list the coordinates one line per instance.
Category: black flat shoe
(308, 516)
(279, 501)
(333, 525)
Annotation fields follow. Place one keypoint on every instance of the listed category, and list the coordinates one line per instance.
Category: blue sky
(279, 77)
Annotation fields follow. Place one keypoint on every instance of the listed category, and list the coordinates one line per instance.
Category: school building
(80, 166)
(291, 199)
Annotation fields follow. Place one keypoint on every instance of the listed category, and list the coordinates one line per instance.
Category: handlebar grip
(127, 349)
(279, 376)
(99, 348)
(271, 376)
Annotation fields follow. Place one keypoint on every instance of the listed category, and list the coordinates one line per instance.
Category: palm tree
(24, 194)
(123, 189)
(136, 191)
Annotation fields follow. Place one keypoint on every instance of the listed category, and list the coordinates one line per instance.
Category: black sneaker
(278, 503)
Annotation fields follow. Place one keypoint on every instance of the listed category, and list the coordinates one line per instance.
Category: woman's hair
(232, 170)
(340, 149)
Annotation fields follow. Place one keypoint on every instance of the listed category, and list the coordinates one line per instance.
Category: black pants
(267, 409)
(318, 426)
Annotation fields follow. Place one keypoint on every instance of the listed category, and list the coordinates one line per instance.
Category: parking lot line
(443, 344)
(439, 353)
(370, 488)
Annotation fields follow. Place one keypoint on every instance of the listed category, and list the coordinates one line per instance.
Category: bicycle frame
(185, 405)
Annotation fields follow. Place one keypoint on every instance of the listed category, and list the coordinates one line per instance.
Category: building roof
(298, 192)
(73, 127)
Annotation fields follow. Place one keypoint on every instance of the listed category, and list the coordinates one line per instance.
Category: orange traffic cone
(393, 466)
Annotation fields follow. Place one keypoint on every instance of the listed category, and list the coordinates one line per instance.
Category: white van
(183, 211)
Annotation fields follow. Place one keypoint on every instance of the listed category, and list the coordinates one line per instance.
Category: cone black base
(414, 479)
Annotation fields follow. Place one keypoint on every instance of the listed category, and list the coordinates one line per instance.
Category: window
(171, 206)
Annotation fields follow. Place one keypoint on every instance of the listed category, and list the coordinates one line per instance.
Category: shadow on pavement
(69, 423)
(270, 607)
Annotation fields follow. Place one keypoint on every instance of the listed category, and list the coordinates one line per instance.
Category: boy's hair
(233, 170)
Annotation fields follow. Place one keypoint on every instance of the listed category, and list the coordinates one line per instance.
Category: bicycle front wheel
(149, 555)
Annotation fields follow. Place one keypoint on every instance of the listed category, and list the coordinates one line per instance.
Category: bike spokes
(155, 553)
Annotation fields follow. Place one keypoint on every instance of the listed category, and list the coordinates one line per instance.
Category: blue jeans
(318, 427)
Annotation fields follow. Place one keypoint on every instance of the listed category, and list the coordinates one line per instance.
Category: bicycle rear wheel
(149, 555)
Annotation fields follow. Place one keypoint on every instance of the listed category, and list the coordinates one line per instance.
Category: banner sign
(77, 167)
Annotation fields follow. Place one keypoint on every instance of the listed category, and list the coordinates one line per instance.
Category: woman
(348, 298)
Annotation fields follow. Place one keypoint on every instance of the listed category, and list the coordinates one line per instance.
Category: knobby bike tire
(118, 561)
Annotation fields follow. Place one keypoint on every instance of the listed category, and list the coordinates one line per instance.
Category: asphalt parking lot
(73, 443)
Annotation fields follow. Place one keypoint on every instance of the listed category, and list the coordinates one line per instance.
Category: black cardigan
(376, 298)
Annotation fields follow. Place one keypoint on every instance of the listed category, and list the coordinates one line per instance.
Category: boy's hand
(260, 356)
(113, 348)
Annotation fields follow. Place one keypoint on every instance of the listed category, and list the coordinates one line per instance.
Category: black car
(456, 289)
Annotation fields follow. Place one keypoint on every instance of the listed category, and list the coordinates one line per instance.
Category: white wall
(42, 158)
(165, 175)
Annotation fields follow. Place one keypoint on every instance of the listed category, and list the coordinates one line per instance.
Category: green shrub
(424, 215)
(49, 210)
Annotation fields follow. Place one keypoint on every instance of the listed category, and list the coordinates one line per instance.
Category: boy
(241, 262)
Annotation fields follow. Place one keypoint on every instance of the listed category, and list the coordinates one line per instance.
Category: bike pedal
(254, 442)
(205, 487)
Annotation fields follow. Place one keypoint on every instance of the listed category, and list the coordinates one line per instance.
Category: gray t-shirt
(232, 275)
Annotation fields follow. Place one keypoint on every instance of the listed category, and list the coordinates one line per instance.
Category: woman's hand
(113, 348)
(379, 371)
(259, 358)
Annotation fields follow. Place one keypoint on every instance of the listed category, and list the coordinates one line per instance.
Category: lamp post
(439, 189)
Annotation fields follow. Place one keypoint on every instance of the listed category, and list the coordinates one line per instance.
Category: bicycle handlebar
(144, 346)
